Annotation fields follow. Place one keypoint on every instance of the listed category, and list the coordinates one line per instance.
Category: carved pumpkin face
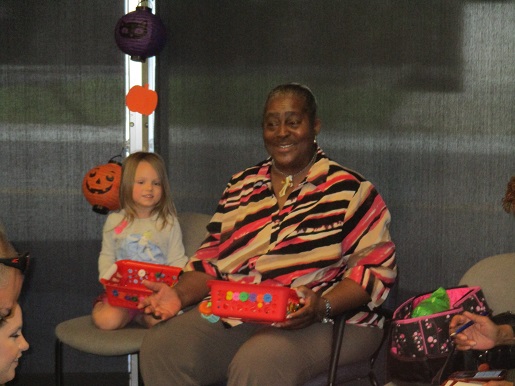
(101, 186)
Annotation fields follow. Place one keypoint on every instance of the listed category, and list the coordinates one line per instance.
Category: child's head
(164, 207)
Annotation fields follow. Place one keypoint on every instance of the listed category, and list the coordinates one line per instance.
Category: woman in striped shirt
(297, 219)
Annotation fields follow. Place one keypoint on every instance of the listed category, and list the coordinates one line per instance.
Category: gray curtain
(419, 96)
(61, 113)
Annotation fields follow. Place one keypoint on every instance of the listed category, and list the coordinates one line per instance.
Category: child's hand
(116, 277)
(163, 304)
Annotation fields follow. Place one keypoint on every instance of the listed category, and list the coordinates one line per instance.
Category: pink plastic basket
(252, 302)
(129, 290)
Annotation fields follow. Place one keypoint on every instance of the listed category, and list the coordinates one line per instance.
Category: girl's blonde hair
(165, 209)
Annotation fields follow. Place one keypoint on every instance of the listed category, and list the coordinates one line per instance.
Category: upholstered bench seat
(81, 334)
(94, 341)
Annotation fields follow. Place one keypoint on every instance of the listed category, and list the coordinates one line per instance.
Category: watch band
(327, 316)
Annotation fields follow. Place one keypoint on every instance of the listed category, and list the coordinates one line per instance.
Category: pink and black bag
(419, 347)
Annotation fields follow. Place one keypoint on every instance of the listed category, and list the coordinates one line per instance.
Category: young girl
(145, 229)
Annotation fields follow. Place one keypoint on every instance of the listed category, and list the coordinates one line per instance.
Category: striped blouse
(334, 225)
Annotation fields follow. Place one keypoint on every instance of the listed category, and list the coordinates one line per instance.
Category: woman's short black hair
(301, 91)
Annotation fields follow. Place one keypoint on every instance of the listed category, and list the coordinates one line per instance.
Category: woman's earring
(315, 141)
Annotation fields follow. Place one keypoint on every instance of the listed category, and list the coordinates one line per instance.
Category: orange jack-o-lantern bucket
(101, 187)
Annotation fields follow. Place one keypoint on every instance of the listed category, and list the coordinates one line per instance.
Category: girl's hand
(307, 314)
(116, 277)
(163, 304)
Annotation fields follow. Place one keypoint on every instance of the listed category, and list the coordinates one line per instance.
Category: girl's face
(147, 189)
(288, 134)
(12, 344)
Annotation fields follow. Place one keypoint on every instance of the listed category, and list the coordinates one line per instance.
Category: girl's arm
(176, 255)
(107, 255)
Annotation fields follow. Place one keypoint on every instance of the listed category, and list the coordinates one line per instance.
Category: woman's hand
(163, 304)
(482, 335)
(311, 311)
(166, 301)
(346, 295)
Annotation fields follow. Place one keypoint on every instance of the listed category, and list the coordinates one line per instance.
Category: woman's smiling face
(12, 344)
(287, 132)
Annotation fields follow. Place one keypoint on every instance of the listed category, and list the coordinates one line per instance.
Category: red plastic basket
(129, 290)
(252, 302)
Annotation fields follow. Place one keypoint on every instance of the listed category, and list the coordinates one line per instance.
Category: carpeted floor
(100, 380)
(116, 379)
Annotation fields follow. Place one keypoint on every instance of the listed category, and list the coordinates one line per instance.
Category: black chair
(369, 370)
(359, 368)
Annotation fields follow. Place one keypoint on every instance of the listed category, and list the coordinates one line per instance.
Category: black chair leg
(373, 379)
(338, 330)
(58, 371)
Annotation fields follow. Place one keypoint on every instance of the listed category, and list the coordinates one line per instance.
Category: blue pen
(463, 327)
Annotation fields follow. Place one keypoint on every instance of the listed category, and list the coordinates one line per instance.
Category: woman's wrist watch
(327, 315)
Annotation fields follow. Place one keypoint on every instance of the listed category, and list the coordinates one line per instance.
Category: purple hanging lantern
(140, 34)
